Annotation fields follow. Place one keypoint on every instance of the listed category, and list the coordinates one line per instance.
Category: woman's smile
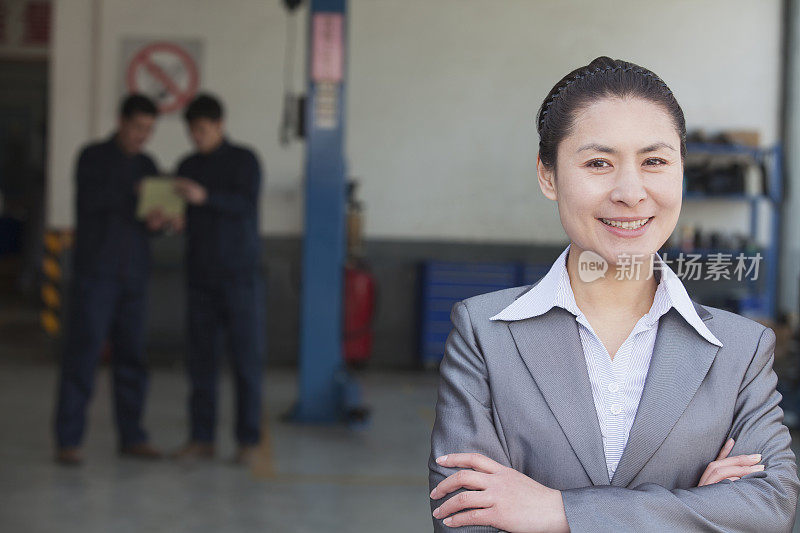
(626, 226)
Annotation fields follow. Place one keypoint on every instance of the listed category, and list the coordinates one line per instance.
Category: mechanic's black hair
(137, 103)
(204, 106)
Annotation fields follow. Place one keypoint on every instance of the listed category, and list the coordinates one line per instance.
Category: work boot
(142, 450)
(69, 456)
(195, 451)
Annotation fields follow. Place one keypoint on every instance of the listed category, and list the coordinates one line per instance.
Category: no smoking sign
(167, 71)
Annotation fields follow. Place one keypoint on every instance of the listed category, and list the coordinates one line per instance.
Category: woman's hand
(732, 468)
(499, 497)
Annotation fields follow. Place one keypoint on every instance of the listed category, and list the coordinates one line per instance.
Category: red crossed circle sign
(165, 71)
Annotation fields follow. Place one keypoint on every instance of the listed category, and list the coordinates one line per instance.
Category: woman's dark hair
(602, 78)
(137, 103)
(204, 106)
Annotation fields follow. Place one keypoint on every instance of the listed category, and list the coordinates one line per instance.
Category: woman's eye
(655, 161)
(598, 163)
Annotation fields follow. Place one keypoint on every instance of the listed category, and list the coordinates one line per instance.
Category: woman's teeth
(631, 224)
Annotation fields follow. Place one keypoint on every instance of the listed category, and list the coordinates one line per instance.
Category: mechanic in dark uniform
(108, 290)
(220, 183)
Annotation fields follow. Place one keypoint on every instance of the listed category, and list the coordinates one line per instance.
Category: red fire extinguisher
(359, 288)
(359, 310)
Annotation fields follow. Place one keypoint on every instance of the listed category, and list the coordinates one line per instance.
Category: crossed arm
(487, 495)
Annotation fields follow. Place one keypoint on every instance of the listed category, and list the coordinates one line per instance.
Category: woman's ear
(547, 179)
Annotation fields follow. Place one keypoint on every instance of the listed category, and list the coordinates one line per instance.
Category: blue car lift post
(327, 393)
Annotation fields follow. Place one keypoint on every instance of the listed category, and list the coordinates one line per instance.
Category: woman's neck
(624, 290)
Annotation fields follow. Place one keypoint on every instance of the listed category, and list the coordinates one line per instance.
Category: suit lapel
(551, 347)
(680, 362)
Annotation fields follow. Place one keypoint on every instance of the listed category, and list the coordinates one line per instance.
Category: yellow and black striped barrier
(55, 244)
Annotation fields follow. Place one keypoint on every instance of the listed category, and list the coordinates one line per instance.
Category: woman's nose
(628, 187)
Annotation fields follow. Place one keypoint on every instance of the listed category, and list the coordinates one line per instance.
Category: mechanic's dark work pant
(101, 310)
(228, 310)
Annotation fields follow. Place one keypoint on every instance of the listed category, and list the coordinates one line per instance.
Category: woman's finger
(718, 474)
(467, 479)
(475, 461)
(475, 517)
(740, 460)
(471, 499)
(726, 449)
(736, 460)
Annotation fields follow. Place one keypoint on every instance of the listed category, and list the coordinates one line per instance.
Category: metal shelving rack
(771, 159)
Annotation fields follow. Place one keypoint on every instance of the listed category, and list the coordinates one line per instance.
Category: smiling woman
(613, 400)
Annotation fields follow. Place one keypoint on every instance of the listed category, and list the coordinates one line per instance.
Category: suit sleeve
(464, 421)
(762, 501)
(97, 192)
(243, 198)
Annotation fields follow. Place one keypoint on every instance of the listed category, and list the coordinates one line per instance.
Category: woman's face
(618, 179)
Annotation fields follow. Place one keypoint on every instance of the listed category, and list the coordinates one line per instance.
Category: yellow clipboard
(157, 192)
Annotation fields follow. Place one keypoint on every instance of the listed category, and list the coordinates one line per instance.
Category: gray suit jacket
(519, 392)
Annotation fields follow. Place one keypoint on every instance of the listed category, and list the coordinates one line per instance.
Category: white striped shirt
(616, 383)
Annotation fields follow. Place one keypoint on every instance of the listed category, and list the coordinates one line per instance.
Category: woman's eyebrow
(655, 146)
(609, 150)
(597, 148)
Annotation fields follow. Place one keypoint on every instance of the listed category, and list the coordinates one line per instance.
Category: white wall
(442, 94)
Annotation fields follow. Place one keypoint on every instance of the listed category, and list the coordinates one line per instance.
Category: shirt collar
(554, 289)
